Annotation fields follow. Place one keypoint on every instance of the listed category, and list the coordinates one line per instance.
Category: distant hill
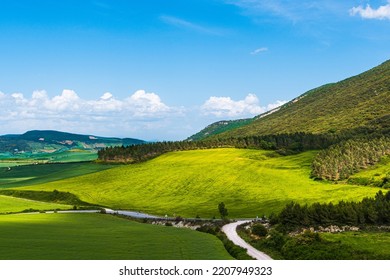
(360, 103)
(219, 127)
(49, 141)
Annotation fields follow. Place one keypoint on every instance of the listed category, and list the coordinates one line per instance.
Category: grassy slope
(194, 182)
(43, 173)
(219, 127)
(345, 105)
(96, 236)
(12, 204)
(375, 174)
(375, 244)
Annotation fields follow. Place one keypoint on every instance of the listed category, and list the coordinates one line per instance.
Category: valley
(321, 158)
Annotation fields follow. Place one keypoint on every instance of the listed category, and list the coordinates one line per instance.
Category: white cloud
(277, 104)
(259, 50)
(146, 104)
(227, 107)
(69, 112)
(383, 12)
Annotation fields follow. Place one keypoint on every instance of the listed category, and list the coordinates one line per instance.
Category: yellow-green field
(12, 204)
(190, 183)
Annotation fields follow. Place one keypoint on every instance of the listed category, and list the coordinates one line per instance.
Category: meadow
(72, 155)
(13, 204)
(100, 237)
(375, 245)
(190, 183)
(374, 175)
(42, 173)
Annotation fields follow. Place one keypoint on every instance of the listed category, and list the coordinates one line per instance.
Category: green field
(12, 204)
(373, 175)
(97, 236)
(376, 245)
(250, 183)
(42, 173)
(73, 155)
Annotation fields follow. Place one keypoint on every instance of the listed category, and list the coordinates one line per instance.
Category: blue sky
(164, 69)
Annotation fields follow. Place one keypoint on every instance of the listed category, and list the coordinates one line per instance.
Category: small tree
(259, 230)
(222, 210)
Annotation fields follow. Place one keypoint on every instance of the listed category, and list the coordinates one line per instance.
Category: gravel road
(231, 233)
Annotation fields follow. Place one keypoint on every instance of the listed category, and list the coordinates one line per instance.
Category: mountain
(49, 141)
(360, 103)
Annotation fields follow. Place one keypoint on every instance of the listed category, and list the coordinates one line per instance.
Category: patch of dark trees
(284, 144)
(341, 160)
(370, 211)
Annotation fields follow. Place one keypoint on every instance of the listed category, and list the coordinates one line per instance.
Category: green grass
(42, 173)
(97, 236)
(73, 155)
(190, 183)
(373, 175)
(13, 204)
(374, 245)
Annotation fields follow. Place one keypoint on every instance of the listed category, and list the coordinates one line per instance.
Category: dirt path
(231, 232)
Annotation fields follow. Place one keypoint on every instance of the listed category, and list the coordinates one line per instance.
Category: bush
(259, 230)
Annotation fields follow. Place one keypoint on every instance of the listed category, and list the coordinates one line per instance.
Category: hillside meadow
(190, 183)
(42, 173)
(12, 204)
(100, 237)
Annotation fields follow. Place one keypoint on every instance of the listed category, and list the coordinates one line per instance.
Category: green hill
(191, 183)
(357, 104)
(218, 127)
(50, 145)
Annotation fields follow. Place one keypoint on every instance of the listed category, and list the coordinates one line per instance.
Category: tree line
(282, 143)
(341, 160)
(369, 211)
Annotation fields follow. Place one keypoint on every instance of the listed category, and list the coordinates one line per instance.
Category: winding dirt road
(231, 232)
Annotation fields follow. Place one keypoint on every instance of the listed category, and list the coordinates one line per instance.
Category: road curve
(231, 232)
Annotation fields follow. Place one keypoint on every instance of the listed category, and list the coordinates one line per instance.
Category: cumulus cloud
(382, 12)
(259, 50)
(68, 111)
(227, 107)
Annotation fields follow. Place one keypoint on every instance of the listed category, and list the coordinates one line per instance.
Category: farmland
(97, 236)
(43, 173)
(12, 204)
(250, 183)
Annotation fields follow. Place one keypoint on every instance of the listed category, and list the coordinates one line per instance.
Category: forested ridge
(282, 143)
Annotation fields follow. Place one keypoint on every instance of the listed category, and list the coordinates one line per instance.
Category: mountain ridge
(357, 102)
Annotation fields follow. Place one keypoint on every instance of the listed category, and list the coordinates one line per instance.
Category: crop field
(97, 236)
(376, 245)
(12, 204)
(42, 173)
(250, 183)
(74, 155)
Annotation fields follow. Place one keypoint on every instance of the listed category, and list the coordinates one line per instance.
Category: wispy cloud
(184, 24)
(291, 11)
(259, 50)
(382, 12)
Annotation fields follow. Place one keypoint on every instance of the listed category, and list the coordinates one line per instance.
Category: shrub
(259, 230)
